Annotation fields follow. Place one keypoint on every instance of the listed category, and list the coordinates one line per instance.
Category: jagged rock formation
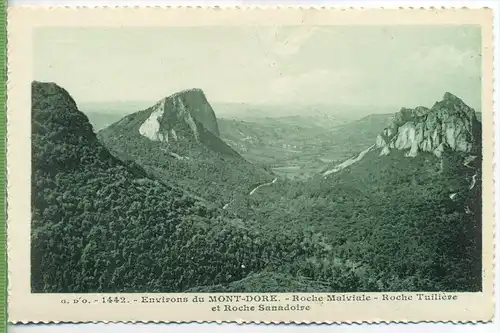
(449, 126)
(189, 107)
(450, 123)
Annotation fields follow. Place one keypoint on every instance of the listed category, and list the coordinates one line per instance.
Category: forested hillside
(127, 221)
(389, 213)
(101, 225)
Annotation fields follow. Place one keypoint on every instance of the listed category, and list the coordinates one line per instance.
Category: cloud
(284, 42)
(444, 58)
(427, 73)
(296, 64)
(64, 41)
(316, 85)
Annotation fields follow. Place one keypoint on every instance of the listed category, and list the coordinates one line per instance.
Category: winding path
(474, 179)
(253, 191)
(263, 185)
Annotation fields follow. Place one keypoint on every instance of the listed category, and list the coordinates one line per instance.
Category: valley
(294, 147)
(171, 197)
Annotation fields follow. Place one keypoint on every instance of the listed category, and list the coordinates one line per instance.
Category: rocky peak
(448, 96)
(452, 105)
(53, 106)
(185, 108)
(48, 95)
(406, 114)
(449, 124)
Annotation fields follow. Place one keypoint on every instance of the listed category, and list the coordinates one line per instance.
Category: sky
(391, 66)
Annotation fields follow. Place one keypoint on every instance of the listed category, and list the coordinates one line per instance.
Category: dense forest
(390, 213)
(137, 218)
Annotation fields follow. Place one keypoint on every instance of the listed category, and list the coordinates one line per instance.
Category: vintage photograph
(256, 159)
(250, 166)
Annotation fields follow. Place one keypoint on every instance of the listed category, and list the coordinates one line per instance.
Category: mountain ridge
(449, 125)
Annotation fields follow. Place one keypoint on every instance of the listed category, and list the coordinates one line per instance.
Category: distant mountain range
(243, 111)
(339, 112)
(248, 110)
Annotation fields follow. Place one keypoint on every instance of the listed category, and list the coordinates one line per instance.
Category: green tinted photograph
(256, 159)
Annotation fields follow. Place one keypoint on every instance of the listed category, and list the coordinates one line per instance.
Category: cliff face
(188, 108)
(450, 123)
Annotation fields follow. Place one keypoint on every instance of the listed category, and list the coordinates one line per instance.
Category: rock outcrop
(187, 108)
(52, 106)
(449, 124)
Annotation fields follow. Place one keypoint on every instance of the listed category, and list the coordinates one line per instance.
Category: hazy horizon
(234, 110)
(352, 66)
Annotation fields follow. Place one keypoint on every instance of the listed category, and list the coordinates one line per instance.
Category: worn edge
(3, 177)
(249, 7)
